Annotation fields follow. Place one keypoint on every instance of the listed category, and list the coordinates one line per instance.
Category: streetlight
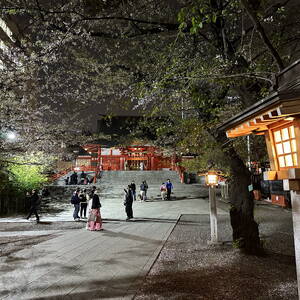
(211, 179)
(11, 136)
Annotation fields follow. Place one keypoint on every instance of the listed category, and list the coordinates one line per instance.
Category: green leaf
(214, 18)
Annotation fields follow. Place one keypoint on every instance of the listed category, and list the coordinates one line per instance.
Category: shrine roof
(279, 106)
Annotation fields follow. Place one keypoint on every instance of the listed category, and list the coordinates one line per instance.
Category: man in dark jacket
(169, 187)
(143, 191)
(75, 200)
(128, 203)
(133, 189)
(34, 205)
(83, 203)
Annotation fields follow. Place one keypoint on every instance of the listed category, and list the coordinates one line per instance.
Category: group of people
(130, 195)
(89, 202)
(75, 179)
(84, 201)
(166, 189)
(143, 190)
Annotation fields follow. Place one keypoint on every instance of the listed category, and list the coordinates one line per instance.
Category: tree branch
(263, 35)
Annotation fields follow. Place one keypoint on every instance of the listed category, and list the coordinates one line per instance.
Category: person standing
(163, 191)
(75, 200)
(128, 200)
(146, 188)
(133, 189)
(143, 191)
(94, 221)
(74, 178)
(141, 166)
(91, 193)
(82, 177)
(67, 180)
(34, 205)
(169, 187)
(83, 203)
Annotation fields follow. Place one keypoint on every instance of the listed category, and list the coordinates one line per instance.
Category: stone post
(295, 197)
(213, 216)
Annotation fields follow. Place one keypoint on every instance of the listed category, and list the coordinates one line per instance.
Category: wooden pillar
(99, 157)
(152, 167)
(122, 161)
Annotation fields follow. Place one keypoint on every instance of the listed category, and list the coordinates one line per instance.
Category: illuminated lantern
(211, 178)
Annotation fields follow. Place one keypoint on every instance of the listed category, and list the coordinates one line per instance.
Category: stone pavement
(80, 264)
(86, 265)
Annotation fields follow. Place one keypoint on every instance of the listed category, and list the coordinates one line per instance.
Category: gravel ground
(188, 268)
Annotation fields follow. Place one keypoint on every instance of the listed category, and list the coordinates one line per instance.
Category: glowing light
(211, 178)
(11, 136)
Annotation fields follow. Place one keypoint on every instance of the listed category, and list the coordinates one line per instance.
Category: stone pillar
(295, 197)
(213, 216)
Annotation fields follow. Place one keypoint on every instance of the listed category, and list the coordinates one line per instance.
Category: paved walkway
(86, 265)
(79, 264)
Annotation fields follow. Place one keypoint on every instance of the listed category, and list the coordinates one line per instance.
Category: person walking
(94, 221)
(133, 189)
(75, 200)
(163, 191)
(34, 205)
(143, 191)
(169, 187)
(83, 203)
(128, 200)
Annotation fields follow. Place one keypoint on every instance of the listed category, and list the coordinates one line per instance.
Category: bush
(22, 174)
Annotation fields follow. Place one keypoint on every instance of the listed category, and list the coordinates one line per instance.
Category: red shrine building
(98, 158)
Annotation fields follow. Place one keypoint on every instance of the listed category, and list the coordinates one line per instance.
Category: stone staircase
(112, 184)
(152, 177)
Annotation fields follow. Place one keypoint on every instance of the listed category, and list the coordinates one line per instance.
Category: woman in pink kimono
(94, 221)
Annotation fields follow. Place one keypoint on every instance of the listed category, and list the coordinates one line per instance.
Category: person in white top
(163, 191)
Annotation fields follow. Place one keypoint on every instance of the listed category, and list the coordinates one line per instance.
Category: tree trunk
(245, 229)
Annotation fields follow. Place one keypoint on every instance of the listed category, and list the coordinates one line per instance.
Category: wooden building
(137, 157)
